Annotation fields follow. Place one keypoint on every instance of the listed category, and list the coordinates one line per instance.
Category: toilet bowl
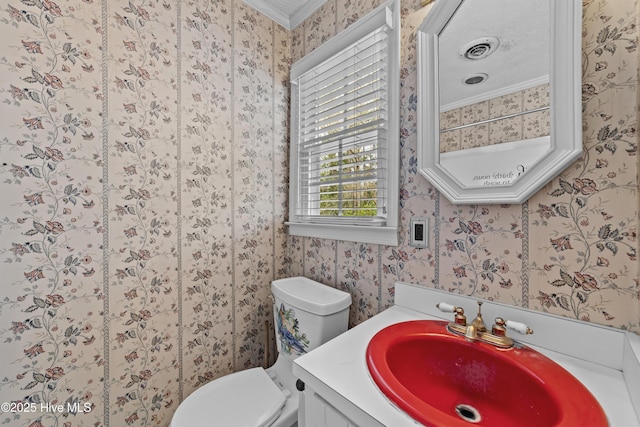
(306, 315)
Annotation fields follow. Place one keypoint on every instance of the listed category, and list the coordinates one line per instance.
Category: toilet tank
(307, 314)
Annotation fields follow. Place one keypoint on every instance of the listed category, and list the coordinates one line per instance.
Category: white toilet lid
(244, 399)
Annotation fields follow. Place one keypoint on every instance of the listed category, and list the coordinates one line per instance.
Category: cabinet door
(320, 413)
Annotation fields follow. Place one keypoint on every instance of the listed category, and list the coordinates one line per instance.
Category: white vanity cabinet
(320, 413)
(339, 391)
(329, 409)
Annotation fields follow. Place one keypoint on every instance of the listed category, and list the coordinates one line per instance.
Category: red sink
(443, 380)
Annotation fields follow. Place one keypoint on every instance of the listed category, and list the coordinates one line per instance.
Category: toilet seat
(244, 399)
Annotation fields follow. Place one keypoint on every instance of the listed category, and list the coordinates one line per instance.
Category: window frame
(387, 234)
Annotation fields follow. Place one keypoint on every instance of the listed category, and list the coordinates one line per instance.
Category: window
(344, 134)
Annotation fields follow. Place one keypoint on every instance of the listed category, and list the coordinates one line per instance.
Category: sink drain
(468, 413)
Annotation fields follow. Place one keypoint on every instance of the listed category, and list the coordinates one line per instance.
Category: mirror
(498, 96)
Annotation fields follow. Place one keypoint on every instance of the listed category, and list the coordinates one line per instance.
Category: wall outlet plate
(419, 232)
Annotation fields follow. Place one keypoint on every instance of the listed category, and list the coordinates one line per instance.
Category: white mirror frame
(566, 121)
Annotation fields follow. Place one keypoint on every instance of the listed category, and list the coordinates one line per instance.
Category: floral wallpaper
(143, 162)
(570, 250)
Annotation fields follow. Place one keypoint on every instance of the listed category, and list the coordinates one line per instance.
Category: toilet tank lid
(310, 295)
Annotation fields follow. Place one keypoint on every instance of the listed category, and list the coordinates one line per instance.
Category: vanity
(340, 392)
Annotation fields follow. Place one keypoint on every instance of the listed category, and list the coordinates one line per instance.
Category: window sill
(351, 233)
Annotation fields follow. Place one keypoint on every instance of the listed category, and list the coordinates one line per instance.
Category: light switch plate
(419, 232)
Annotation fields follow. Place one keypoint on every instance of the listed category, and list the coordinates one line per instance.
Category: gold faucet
(478, 322)
(471, 334)
(477, 330)
(477, 326)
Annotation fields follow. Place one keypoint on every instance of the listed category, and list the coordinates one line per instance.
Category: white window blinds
(344, 167)
(342, 134)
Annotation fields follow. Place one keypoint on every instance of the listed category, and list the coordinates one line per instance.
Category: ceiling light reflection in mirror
(494, 87)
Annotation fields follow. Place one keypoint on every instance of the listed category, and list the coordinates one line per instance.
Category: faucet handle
(499, 328)
(518, 327)
(501, 324)
(446, 308)
(460, 318)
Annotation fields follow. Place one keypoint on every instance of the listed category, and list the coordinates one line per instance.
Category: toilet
(306, 315)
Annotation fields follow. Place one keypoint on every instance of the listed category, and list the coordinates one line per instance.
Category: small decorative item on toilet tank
(292, 341)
